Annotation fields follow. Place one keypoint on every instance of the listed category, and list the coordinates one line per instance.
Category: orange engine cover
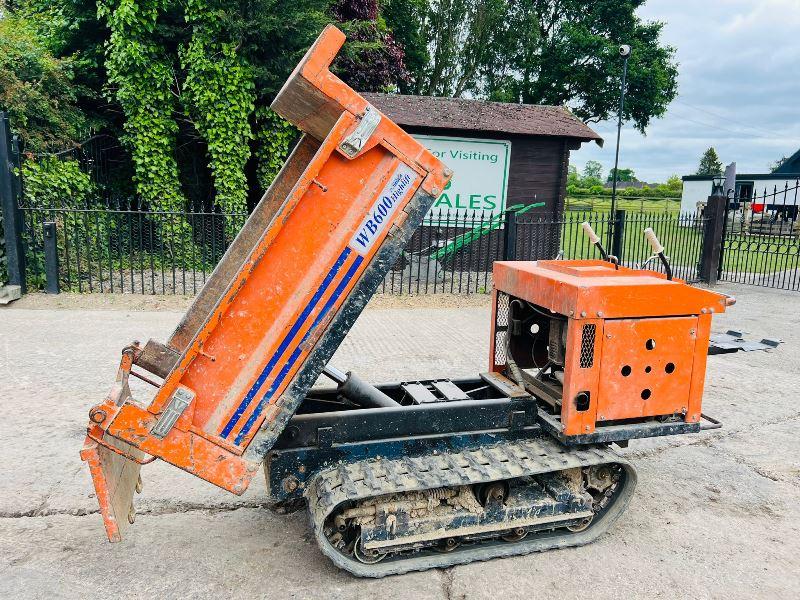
(631, 344)
(646, 367)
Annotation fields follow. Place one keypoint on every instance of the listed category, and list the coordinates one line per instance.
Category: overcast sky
(738, 90)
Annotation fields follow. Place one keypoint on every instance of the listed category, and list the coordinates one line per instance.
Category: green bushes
(50, 182)
(37, 92)
(36, 88)
(661, 191)
(56, 190)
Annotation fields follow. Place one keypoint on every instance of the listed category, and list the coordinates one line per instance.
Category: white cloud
(739, 89)
(762, 16)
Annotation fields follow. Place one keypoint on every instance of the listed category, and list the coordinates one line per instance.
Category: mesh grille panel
(587, 346)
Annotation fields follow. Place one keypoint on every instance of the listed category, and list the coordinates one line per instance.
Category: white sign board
(480, 175)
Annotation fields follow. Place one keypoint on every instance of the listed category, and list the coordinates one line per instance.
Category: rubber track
(375, 477)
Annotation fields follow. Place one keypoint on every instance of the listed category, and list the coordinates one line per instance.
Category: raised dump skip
(280, 301)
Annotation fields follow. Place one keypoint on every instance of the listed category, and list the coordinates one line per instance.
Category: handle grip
(587, 229)
(653, 241)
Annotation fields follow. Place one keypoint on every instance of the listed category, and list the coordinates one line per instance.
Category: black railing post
(9, 204)
(618, 231)
(510, 239)
(713, 238)
(50, 257)
(726, 209)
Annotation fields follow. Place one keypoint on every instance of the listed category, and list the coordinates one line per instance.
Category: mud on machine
(416, 474)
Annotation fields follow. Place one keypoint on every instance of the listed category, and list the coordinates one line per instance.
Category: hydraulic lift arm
(278, 304)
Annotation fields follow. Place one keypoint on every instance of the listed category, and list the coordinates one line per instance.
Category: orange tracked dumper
(410, 475)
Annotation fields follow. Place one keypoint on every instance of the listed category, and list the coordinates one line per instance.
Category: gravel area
(715, 515)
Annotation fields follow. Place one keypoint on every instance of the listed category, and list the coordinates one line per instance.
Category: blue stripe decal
(298, 350)
(285, 343)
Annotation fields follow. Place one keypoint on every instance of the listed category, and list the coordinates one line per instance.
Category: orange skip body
(244, 355)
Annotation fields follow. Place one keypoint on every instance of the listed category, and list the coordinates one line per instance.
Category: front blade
(115, 478)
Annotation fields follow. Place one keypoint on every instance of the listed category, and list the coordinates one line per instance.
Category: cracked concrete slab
(714, 515)
(244, 553)
(756, 449)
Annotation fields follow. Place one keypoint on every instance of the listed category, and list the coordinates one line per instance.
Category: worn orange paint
(592, 286)
(580, 380)
(636, 381)
(628, 307)
(91, 455)
(312, 227)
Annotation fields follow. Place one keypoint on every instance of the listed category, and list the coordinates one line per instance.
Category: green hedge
(661, 191)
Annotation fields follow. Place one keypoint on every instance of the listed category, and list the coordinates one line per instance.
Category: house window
(744, 190)
(744, 193)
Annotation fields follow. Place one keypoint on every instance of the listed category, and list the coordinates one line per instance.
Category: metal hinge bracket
(354, 142)
(177, 404)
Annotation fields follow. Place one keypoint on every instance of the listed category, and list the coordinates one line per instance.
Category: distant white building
(697, 188)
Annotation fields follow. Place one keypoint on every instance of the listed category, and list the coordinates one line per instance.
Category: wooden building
(540, 137)
(531, 145)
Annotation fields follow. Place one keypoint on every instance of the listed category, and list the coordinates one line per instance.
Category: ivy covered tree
(190, 82)
(141, 74)
(274, 138)
(219, 94)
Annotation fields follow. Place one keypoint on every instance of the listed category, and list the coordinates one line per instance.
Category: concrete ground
(715, 515)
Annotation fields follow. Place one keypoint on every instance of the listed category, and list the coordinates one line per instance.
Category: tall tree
(36, 88)
(674, 183)
(371, 61)
(710, 163)
(593, 170)
(621, 174)
(572, 175)
(460, 38)
(543, 52)
(777, 164)
(405, 19)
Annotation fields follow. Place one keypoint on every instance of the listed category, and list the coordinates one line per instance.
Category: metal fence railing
(99, 243)
(761, 239)
(128, 250)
